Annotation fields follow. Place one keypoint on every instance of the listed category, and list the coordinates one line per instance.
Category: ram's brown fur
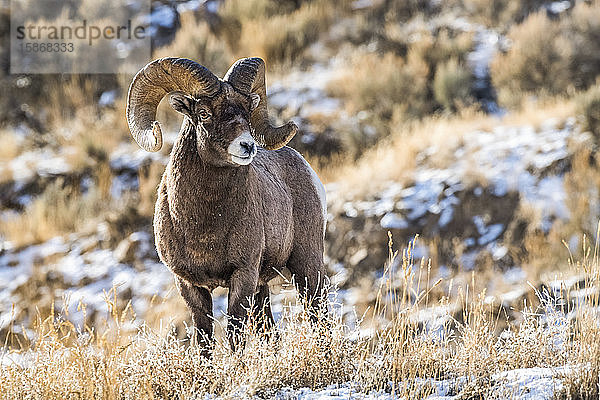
(236, 226)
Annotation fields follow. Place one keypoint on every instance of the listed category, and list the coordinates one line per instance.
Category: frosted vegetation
(465, 131)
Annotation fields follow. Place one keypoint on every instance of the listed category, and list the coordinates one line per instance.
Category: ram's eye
(204, 115)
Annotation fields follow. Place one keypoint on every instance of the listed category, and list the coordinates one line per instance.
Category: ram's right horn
(247, 75)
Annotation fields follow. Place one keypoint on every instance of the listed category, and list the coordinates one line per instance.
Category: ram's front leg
(199, 302)
(169, 248)
(242, 287)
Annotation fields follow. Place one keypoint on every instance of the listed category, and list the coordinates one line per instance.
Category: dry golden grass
(10, 149)
(399, 356)
(59, 210)
(501, 13)
(149, 179)
(91, 139)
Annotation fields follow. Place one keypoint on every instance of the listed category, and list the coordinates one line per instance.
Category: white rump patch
(318, 187)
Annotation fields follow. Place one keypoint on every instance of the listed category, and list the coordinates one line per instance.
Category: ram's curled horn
(152, 83)
(247, 75)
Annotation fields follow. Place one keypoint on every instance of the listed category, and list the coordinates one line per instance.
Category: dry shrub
(501, 13)
(196, 41)
(588, 107)
(40, 100)
(452, 85)
(60, 209)
(549, 57)
(384, 85)
(402, 10)
(448, 80)
(76, 96)
(383, 23)
(280, 39)
(581, 29)
(241, 10)
(392, 89)
(149, 179)
(533, 64)
(441, 46)
(49, 101)
(91, 139)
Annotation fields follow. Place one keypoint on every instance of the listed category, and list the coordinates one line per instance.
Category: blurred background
(472, 124)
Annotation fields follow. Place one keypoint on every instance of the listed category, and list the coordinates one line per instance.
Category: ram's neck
(197, 181)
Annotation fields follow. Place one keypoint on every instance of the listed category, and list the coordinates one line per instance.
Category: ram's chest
(212, 232)
(204, 248)
(205, 234)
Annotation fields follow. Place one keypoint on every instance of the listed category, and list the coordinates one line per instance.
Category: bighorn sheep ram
(235, 205)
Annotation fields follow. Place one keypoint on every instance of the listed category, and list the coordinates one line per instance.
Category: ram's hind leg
(199, 301)
(309, 274)
(262, 307)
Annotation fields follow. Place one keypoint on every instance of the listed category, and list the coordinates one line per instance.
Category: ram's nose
(249, 148)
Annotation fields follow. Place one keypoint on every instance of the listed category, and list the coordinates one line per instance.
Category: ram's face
(223, 129)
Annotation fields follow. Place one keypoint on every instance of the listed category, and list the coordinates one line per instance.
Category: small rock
(88, 244)
(126, 250)
(357, 257)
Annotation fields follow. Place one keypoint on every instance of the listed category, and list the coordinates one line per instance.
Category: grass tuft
(396, 353)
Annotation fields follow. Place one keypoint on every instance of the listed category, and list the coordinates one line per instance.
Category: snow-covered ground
(519, 162)
(518, 384)
(303, 93)
(86, 272)
(517, 159)
(508, 158)
(487, 44)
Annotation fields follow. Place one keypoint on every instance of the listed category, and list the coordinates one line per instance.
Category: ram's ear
(183, 104)
(255, 100)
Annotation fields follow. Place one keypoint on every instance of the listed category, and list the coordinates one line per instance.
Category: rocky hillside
(474, 197)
